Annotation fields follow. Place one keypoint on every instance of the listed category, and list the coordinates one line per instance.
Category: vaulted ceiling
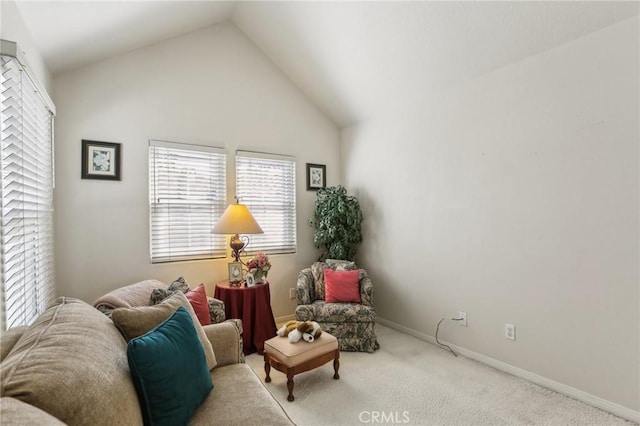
(351, 59)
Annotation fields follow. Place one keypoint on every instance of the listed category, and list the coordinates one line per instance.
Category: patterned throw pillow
(340, 265)
(159, 294)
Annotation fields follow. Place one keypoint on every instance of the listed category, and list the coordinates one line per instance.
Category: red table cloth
(253, 306)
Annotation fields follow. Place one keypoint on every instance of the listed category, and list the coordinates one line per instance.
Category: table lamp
(236, 220)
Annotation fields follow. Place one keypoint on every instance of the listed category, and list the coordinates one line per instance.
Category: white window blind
(267, 185)
(187, 196)
(26, 163)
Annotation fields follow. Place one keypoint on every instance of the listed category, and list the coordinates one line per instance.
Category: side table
(253, 306)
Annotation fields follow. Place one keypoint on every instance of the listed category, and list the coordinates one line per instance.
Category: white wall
(12, 28)
(515, 198)
(208, 87)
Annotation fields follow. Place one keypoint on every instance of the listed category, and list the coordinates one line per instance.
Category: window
(267, 185)
(187, 195)
(26, 192)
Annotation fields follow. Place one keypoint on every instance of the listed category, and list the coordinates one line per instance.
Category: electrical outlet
(510, 331)
(462, 315)
(292, 293)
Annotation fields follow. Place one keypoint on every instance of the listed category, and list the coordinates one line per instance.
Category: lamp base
(236, 245)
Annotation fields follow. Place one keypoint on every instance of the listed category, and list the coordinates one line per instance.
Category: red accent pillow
(341, 286)
(198, 299)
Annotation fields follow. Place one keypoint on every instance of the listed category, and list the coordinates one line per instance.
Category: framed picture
(316, 176)
(235, 272)
(100, 160)
(251, 281)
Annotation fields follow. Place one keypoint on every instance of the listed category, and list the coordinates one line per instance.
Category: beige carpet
(409, 381)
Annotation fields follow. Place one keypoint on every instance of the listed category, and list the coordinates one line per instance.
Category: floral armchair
(351, 323)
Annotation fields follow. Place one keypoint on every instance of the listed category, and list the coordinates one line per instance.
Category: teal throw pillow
(169, 371)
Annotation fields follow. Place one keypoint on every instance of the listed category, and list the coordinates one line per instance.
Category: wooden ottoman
(294, 358)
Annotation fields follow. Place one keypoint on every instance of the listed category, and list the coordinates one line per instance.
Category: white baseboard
(612, 407)
(285, 318)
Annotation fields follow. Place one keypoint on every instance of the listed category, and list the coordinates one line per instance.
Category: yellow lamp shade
(237, 219)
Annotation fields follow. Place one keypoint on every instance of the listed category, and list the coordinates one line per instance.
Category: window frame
(255, 246)
(26, 196)
(164, 252)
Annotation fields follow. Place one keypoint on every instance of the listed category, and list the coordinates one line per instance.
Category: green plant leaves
(337, 221)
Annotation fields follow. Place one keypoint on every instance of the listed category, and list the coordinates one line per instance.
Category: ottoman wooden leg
(267, 368)
(290, 386)
(336, 365)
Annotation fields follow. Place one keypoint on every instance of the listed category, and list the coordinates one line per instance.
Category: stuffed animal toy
(297, 330)
(287, 328)
(313, 334)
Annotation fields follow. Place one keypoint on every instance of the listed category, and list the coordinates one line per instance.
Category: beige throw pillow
(72, 363)
(134, 322)
(15, 412)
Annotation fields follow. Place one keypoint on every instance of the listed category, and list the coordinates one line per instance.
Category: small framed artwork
(316, 176)
(100, 160)
(251, 281)
(235, 272)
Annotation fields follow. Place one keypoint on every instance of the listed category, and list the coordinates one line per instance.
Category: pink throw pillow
(198, 299)
(342, 286)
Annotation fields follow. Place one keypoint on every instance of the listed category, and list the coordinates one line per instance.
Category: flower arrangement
(259, 265)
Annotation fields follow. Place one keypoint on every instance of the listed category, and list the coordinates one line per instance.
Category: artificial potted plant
(337, 220)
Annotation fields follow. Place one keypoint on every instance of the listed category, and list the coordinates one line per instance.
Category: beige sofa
(70, 366)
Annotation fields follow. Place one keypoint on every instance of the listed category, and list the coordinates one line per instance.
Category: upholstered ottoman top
(292, 354)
